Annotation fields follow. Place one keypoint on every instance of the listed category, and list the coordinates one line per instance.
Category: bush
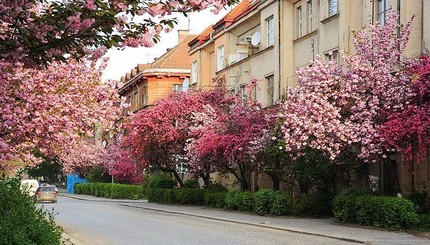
(21, 221)
(107, 189)
(123, 191)
(246, 201)
(312, 204)
(169, 196)
(97, 174)
(190, 196)
(345, 204)
(386, 212)
(282, 204)
(191, 184)
(231, 201)
(156, 195)
(78, 188)
(161, 180)
(420, 199)
(99, 189)
(215, 199)
(264, 201)
(243, 201)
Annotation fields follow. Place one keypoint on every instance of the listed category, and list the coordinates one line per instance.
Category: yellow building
(267, 41)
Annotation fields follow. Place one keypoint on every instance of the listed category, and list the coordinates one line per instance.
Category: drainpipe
(279, 50)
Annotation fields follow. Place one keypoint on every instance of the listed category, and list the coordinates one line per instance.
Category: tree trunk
(276, 182)
(206, 179)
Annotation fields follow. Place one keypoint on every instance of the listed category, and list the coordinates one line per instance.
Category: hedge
(379, 211)
(115, 191)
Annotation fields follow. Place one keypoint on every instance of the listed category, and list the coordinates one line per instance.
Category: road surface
(106, 223)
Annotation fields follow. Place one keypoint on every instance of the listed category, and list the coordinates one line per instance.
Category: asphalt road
(105, 223)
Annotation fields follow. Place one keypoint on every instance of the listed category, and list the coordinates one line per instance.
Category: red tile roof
(243, 7)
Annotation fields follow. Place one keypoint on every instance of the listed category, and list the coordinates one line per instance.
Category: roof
(241, 9)
(175, 58)
(175, 61)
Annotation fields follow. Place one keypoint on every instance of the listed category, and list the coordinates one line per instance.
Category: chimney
(182, 34)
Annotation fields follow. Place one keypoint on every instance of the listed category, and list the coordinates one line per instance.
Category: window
(145, 94)
(270, 31)
(220, 58)
(383, 7)
(331, 7)
(310, 16)
(332, 55)
(299, 21)
(194, 72)
(270, 90)
(243, 93)
(135, 101)
(177, 88)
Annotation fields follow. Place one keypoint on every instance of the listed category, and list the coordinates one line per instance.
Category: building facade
(147, 83)
(265, 42)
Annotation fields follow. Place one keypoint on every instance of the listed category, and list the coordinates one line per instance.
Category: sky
(122, 61)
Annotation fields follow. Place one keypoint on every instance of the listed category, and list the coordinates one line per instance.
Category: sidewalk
(318, 227)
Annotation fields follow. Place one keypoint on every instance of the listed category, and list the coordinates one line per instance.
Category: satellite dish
(186, 84)
(255, 38)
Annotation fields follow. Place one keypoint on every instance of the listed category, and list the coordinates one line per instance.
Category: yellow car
(46, 194)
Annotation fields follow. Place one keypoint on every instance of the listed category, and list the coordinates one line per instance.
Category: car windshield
(47, 188)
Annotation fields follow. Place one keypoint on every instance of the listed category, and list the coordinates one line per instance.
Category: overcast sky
(123, 61)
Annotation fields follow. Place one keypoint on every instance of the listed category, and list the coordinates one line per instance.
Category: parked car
(46, 194)
(30, 186)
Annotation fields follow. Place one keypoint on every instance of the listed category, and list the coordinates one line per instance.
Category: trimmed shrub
(312, 204)
(420, 199)
(107, 189)
(282, 204)
(156, 195)
(215, 199)
(345, 204)
(264, 201)
(386, 212)
(246, 201)
(189, 196)
(169, 196)
(99, 189)
(123, 191)
(21, 221)
(78, 188)
(161, 180)
(231, 201)
(191, 184)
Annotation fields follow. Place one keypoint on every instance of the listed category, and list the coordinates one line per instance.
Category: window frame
(194, 72)
(332, 7)
(299, 20)
(270, 28)
(220, 58)
(176, 87)
(382, 15)
(270, 90)
(310, 13)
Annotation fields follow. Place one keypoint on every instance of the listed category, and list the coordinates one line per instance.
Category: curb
(247, 223)
(103, 200)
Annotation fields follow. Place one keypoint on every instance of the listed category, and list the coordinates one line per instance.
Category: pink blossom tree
(156, 137)
(39, 31)
(228, 138)
(342, 105)
(122, 166)
(53, 112)
(408, 131)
